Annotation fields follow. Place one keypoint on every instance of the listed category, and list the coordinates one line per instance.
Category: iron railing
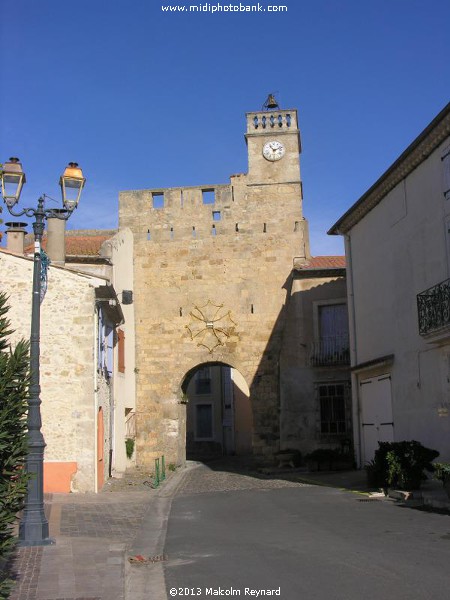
(330, 351)
(433, 307)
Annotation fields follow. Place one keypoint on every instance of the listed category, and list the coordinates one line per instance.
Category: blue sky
(143, 98)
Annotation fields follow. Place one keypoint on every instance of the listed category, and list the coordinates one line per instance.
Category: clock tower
(273, 141)
(213, 270)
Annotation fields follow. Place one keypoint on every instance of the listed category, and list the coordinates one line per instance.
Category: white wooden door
(376, 408)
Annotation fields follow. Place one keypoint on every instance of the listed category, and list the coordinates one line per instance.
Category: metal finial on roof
(270, 103)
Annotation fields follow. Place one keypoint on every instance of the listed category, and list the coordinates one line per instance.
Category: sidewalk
(432, 494)
(95, 534)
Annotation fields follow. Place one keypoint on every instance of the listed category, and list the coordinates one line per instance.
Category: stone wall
(190, 269)
(299, 403)
(67, 361)
(212, 269)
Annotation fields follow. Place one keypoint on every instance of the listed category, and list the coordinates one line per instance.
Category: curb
(144, 576)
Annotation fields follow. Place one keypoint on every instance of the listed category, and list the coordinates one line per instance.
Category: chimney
(16, 237)
(56, 242)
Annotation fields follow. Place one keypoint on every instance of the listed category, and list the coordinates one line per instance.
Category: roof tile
(324, 262)
(77, 245)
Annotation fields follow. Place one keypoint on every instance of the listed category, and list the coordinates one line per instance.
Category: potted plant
(442, 473)
(400, 465)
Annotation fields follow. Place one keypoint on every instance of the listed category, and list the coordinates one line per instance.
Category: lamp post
(33, 529)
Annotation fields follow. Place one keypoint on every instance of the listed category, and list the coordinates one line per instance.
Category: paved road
(229, 532)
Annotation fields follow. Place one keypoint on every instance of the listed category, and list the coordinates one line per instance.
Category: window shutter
(121, 350)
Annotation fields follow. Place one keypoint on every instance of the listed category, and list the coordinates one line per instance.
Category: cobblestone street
(227, 475)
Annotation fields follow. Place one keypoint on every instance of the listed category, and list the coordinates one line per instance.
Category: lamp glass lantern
(13, 179)
(72, 183)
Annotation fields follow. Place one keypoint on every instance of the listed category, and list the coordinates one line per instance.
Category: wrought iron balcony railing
(330, 351)
(433, 308)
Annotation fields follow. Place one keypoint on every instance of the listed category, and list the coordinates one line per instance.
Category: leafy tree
(14, 383)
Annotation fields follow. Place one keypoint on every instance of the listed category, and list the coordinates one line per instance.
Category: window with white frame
(333, 407)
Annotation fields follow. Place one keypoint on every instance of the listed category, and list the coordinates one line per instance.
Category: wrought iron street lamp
(33, 529)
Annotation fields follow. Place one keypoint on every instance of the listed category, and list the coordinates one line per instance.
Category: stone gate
(212, 271)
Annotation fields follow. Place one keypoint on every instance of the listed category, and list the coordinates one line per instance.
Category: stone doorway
(219, 418)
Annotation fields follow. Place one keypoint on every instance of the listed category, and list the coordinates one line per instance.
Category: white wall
(120, 250)
(398, 250)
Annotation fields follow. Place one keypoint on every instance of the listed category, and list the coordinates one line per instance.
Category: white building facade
(398, 275)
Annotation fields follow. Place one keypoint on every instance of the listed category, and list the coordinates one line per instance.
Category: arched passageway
(219, 418)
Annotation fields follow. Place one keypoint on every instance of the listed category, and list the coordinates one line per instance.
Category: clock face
(273, 150)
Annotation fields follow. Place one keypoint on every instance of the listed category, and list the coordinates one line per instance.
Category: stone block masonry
(212, 270)
(67, 366)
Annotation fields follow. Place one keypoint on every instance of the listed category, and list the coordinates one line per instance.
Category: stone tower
(212, 269)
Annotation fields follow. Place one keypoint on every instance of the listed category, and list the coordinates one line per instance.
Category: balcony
(330, 352)
(433, 308)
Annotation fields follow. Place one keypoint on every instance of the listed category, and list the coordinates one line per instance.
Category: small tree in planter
(400, 464)
(442, 473)
(14, 382)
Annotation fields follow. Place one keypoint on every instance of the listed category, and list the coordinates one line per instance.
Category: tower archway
(219, 419)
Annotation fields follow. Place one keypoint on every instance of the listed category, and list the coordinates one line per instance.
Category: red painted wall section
(58, 476)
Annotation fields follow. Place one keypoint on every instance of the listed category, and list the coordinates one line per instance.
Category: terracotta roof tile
(77, 245)
(324, 262)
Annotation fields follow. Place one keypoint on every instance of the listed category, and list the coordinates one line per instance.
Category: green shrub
(129, 445)
(400, 464)
(442, 471)
(14, 383)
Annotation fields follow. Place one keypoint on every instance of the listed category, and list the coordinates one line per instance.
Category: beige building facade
(315, 391)
(75, 394)
(398, 268)
(213, 275)
(79, 316)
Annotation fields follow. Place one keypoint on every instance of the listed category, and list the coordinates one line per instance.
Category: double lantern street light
(33, 529)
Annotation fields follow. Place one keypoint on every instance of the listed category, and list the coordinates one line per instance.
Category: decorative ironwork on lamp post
(33, 528)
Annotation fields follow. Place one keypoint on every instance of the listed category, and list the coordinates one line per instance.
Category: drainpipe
(95, 398)
(353, 352)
